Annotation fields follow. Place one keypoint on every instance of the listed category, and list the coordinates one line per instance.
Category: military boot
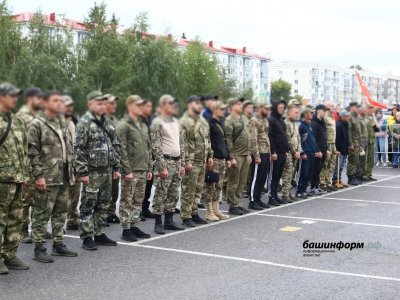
(169, 223)
(104, 240)
(25, 238)
(128, 235)
(88, 244)
(210, 215)
(41, 255)
(197, 220)
(59, 249)
(138, 233)
(217, 212)
(16, 264)
(352, 180)
(286, 199)
(3, 268)
(158, 228)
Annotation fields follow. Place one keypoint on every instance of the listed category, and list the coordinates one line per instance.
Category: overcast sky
(338, 32)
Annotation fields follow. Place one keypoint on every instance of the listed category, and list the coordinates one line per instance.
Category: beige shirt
(170, 138)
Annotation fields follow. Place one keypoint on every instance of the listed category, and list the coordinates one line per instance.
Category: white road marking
(385, 186)
(255, 261)
(307, 222)
(255, 213)
(361, 200)
(331, 221)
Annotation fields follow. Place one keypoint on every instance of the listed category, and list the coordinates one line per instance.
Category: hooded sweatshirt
(277, 130)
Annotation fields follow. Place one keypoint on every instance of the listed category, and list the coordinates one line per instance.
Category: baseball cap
(192, 98)
(111, 98)
(96, 95)
(247, 102)
(134, 99)
(33, 92)
(67, 100)
(208, 97)
(294, 102)
(344, 113)
(166, 99)
(308, 109)
(233, 101)
(354, 104)
(220, 105)
(321, 107)
(7, 88)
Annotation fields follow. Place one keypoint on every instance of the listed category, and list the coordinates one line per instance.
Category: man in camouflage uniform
(33, 104)
(370, 149)
(51, 152)
(75, 189)
(169, 159)
(260, 151)
(13, 173)
(97, 155)
(111, 108)
(329, 163)
(238, 140)
(136, 162)
(198, 153)
(294, 142)
(362, 113)
(221, 162)
(354, 148)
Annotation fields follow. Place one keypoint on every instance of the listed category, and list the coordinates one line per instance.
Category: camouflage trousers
(369, 165)
(95, 199)
(212, 190)
(27, 199)
(237, 179)
(353, 161)
(362, 161)
(74, 193)
(192, 188)
(112, 207)
(167, 190)
(329, 165)
(10, 219)
(287, 176)
(131, 200)
(51, 203)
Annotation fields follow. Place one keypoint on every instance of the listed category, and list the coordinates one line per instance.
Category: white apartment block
(319, 82)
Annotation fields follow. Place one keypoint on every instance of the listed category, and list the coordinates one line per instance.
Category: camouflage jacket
(354, 130)
(135, 146)
(96, 146)
(50, 149)
(293, 136)
(113, 120)
(156, 134)
(369, 121)
(330, 125)
(196, 133)
(259, 136)
(14, 166)
(25, 115)
(364, 132)
(237, 135)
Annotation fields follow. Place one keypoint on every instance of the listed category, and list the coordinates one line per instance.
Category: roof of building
(51, 20)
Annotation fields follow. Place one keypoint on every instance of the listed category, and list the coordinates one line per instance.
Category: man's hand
(189, 168)
(233, 163)
(228, 164)
(85, 180)
(351, 147)
(248, 159)
(304, 157)
(210, 163)
(257, 161)
(164, 173)
(128, 177)
(116, 175)
(182, 171)
(297, 155)
(274, 156)
(149, 176)
(337, 153)
(40, 184)
(328, 154)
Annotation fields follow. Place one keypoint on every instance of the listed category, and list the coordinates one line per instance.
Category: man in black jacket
(319, 129)
(342, 145)
(279, 148)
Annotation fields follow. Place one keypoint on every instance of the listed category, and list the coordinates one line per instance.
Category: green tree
(280, 89)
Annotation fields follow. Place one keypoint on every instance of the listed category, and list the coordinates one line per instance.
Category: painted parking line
(385, 186)
(331, 221)
(255, 261)
(362, 200)
(256, 213)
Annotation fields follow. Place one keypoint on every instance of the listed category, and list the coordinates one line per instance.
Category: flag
(367, 95)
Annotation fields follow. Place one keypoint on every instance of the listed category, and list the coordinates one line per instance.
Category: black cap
(322, 107)
(33, 92)
(192, 98)
(207, 97)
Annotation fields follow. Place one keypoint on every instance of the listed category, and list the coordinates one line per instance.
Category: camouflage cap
(220, 105)
(111, 98)
(247, 102)
(96, 95)
(134, 99)
(308, 109)
(344, 113)
(264, 105)
(354, 104)
(67, 100)
(7, 88)
(233, 101)
(294, 102)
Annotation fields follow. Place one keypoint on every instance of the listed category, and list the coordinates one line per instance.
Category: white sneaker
(377, 164)
(385, 164)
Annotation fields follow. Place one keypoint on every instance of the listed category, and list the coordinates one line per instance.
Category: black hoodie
(277, 130)
(319, 129)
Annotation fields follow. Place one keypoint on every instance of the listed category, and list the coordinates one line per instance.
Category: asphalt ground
(256, 256)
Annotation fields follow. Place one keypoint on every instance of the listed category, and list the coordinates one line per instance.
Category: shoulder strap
(5, 134)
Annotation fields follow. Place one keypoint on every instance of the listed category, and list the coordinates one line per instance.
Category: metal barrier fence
(387, 146)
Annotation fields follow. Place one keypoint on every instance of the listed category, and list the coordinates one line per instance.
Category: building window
(280, 72)
(296, 71)
(296, 92)
(296, 82)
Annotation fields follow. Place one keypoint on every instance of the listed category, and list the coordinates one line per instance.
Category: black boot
(255, 206)
(169, 223)
(140, 234)
(188, 222)
(352, 180)
(273, 201)
(197, 220)
(88, 244)
(128, 235)
(262, 204)
(158, 228)
(104, 240)
(148, 214)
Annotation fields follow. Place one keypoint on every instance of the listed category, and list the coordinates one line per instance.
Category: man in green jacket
(136, 163)
(354, 141)
(13, 173)
(51, 152)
